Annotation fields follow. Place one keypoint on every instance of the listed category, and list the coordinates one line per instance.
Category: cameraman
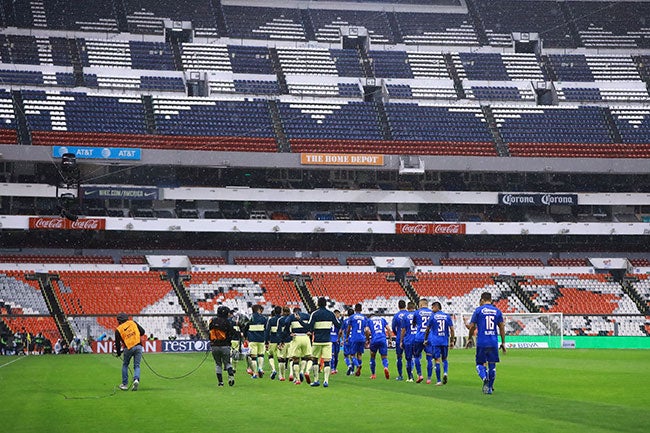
(221, 334)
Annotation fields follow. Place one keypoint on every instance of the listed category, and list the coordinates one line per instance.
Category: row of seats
(576, 24)
(158, 56)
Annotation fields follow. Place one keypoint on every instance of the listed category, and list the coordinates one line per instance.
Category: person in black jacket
(221, 335)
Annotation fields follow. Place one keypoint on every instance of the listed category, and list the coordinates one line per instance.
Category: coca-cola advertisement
(56, 223)
(429, 229)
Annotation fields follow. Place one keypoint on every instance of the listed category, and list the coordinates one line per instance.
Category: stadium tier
(241, 290)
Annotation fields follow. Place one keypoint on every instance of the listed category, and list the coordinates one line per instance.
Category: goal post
(523, 330)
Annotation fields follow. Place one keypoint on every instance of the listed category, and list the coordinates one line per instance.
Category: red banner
(55, 223)
(429, 229)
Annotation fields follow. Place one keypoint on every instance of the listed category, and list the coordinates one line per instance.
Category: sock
(373, 364)
(220, 377)
(309, 367)
(315, 372)
(400, 366)
(409, 368)
(231, 372)
(303, 364)
(272, 363)
(254, 366)
(355, 362)
(326, 372)
(445, 366)
(418, 366)
(480, 369)
(384, 362)
(347, 361)
(282, 366)
(437, 372)
(492, 373)
(260, 363)
(359, 362)
(429, 366)
(296, 371)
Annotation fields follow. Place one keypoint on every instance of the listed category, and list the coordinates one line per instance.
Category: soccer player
(321, 322)
(128, 333)
(296, 325)
(379, 332)
(420, 322)
(284, 345)
(335, 338)
(396, 327)
(357, 324)
(440, 332)
(408, 337)
(487, 318)
(255, 336)
(272, 339)
(347, 346)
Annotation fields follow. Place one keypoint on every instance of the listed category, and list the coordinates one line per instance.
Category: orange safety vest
(129, 333)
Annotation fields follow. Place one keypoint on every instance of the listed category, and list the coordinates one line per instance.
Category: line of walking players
(299, 345)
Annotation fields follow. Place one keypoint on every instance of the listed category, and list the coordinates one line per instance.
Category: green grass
(536, 391)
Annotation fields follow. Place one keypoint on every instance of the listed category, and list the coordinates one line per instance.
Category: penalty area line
(11, 362)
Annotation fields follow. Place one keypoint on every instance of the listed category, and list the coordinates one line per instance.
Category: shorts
(257, 348)
(418, 347)
(379, 346)
(322, 350)
(440, 352)
(486, 354)
(357, 347)
(300, 347)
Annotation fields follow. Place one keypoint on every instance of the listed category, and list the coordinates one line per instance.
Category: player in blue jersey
(487, 319)
(408, 336)
(255, 335)
(321, 322)
(421, 321)
(335, 338)
(357, 336)
(272, 339)
(396, 327)
(439, 334)
(347, 346)
(379, 332)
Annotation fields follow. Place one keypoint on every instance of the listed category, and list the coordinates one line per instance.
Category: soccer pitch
(535, 391)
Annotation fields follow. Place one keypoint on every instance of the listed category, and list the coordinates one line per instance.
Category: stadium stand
(436, 29)
(500, 19)
(98, 296)
(498, 66)
(55, 15)
(327, 24)
(148, 16)
(244, 22)
(611, 24)
(377, 295)
(295, 261)
(22, 258)
(241, 290)
(21, 300)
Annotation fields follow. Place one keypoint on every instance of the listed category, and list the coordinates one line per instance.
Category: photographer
(221, 336)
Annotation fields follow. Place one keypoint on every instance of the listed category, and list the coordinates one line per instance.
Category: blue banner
(97, 152)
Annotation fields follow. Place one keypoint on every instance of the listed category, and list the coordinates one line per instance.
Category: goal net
(523, 330)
